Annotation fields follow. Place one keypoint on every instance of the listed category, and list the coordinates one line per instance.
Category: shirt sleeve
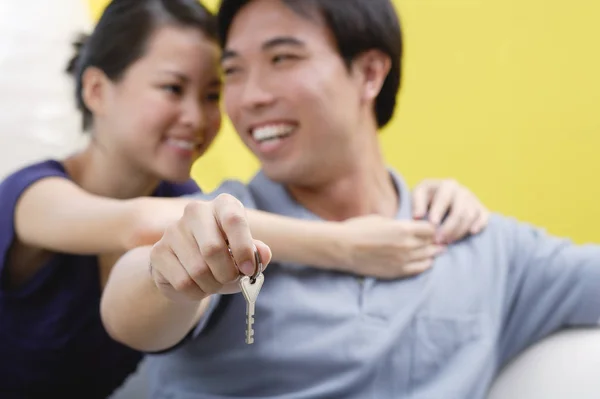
(552, 283)
(11, 190)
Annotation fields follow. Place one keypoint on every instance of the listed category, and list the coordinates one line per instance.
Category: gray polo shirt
(442, 334)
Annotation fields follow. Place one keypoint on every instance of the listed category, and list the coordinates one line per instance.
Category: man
(308, 84)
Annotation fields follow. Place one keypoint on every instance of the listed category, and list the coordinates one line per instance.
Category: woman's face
(164, 112)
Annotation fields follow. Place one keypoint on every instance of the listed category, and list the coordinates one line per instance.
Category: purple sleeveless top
(52, 342)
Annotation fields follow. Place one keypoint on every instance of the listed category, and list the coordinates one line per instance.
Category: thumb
(421, 199)
(264, 251)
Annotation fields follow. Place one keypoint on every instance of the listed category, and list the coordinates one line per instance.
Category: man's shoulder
(232, 187)
(260, 193)
(498, 235)
(506, 236)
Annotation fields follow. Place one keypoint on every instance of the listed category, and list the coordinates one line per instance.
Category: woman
(148, 86)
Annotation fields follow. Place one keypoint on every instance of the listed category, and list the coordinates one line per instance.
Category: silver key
(250, 287)
(250, 291)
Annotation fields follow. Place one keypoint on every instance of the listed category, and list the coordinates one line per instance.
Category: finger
(167, 272)
(412, 243)
(190, 257)
(480, 223)
(440, 204)
(421, 198)
(231, 216)
(211, 244)
(460, 227)
(418, 267)
(425, 252)
(264, 251)
(265, 255)
(461, 214)
(421, 229)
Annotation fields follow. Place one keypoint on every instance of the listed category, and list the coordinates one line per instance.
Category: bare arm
(373, 245)
(137, 314)
(152, 309)
(321, 244)
(57, 215)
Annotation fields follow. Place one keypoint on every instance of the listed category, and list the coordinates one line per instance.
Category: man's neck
(366, 189)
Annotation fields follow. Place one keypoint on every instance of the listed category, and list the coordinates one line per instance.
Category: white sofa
(563, 366)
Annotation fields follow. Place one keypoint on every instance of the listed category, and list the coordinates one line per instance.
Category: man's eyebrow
(178, 75)
(282, 41)
(227, 54)
(269, 44)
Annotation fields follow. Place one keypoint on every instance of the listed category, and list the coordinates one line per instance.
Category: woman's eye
(174, 89)
(214, 97)
(229, 71)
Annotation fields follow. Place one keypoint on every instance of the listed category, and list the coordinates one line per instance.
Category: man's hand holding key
(207, 251)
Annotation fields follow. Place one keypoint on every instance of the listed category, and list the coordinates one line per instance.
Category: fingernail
(247, 268)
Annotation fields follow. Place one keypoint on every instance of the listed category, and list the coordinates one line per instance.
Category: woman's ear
(94, 84)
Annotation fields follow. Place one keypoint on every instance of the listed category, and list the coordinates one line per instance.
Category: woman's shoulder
(167, 189)
(36, 171)
(19, 180)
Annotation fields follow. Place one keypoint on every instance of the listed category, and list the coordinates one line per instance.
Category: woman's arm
(370, 245)
(373, 245)
(321, 244)
(57, 215)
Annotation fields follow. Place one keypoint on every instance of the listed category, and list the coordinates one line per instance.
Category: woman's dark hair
(120, 37)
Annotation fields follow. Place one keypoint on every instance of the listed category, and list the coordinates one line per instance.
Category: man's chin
(279, 173)
(288, 175)
(276, 175)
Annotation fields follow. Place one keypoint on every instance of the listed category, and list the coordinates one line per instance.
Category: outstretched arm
(155, 296)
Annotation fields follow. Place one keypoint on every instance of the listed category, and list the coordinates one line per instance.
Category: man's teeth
(183, 144)
(271, 132)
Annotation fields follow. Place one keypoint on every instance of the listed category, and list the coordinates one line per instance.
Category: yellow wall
(503, 95)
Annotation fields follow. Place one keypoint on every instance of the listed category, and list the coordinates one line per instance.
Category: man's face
(289, 94)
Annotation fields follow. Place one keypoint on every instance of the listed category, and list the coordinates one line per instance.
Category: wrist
(339, 247)
(140, 229)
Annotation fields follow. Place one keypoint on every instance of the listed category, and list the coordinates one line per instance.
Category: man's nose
(256, 92)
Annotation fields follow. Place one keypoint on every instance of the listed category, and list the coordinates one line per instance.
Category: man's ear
(94, 86)
(372, 67)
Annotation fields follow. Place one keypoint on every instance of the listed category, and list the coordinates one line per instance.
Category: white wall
(38, 118)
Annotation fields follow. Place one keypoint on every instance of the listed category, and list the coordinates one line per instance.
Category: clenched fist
(206, 251)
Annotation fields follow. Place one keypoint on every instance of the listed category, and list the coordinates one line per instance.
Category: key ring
(259, 266)
(257, 261)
